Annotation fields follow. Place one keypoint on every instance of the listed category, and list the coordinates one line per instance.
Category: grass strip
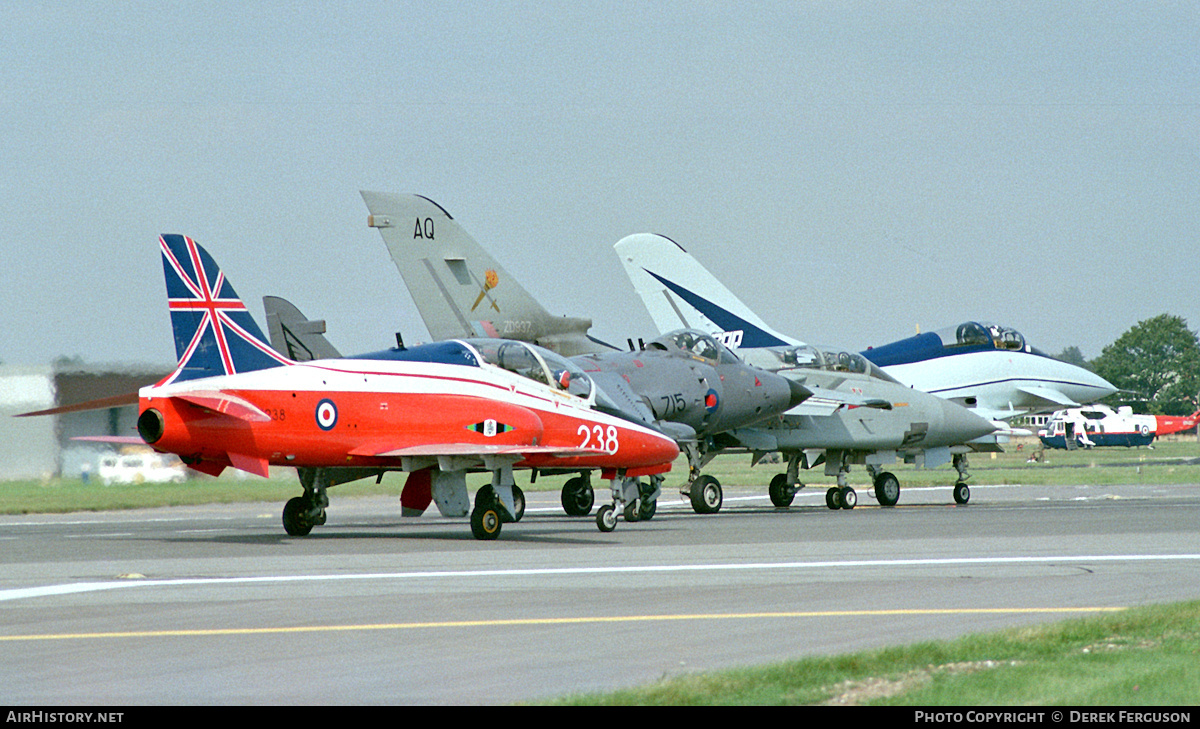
(1170, 462)
(1144, 656)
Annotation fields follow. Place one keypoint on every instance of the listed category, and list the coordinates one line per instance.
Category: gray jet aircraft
(855, 414)
(684, 383)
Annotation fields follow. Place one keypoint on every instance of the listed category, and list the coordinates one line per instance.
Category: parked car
(141, 468)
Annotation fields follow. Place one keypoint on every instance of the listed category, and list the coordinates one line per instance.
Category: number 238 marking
(598, 436)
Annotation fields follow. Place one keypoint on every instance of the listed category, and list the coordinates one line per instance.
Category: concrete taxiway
(216, 605)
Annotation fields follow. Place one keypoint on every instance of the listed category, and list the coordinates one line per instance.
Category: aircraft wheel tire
(518, 502)
(632, 510)
(486, 522)
(833, 499)
(578, 497)
(887, 489)
(606, 518)
(848, 498)
(649, 507)
(486, 496)
(781, 494)
(962, 493)
(294, 522)
(706, 495)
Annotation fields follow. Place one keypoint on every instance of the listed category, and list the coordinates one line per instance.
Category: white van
(141, 468)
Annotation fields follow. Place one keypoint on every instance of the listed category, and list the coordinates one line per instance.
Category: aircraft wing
(1048, 395)
(100, 404)
(111, 439)
(826, 402)
(471, 449)
(220, 402)
(1003, 429)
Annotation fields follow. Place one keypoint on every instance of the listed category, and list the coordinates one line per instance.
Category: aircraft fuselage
(338, 413)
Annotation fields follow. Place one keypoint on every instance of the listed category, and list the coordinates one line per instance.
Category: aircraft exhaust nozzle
(800, 393)
(151, 425)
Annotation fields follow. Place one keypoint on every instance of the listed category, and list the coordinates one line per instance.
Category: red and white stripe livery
(371, 413)
(436, 411)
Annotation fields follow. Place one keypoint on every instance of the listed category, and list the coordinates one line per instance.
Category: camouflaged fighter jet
(851, 413)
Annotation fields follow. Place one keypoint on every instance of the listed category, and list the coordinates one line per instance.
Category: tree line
(1155, 366)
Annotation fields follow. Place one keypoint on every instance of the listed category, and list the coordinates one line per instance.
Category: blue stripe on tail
(752, 336)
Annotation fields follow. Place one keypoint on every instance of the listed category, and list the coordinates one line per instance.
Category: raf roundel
(711, 401)
(326, 414)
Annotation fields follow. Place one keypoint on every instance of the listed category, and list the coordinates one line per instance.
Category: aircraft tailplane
(214, 332)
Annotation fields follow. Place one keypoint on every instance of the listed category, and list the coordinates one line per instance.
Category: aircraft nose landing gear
(962, 493)
(637, 501)
(841, 496)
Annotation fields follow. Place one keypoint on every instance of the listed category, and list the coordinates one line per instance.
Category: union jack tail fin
(214, 332)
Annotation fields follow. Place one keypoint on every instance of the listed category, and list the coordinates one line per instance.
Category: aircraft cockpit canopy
(535, 363)
(976, 334)
(809, 357)
(806, 356)
(695, 343)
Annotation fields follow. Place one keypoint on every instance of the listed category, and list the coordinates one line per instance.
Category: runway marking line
(72, 588)
(543, 622)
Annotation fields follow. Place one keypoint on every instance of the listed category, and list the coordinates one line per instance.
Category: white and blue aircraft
(987, 368)
(990, 370)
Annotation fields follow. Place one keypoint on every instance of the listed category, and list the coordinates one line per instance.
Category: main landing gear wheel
(641, 509)
(887, 489)
(781, 494)
(962, 493)
(643, 506)
(706, 494)
(848, 497)
(487, 494)
(578, 497)
(518, 502)
(841, 498)
(485, 521)
(606, 518)
(295, 521)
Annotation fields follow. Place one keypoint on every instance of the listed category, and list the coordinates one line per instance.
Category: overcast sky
(851, 170)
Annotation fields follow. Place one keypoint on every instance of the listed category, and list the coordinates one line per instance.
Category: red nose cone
(656, 449)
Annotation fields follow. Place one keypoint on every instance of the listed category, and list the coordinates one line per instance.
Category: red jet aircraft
(436, 411)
